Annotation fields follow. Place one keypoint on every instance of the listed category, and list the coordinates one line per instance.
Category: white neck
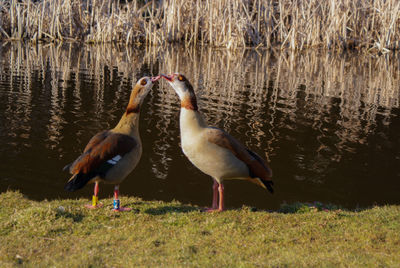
(191, 122)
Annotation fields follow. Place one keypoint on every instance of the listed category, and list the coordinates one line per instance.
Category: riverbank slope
(62, 233)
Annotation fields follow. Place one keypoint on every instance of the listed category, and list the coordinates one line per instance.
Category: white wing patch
(114, 160)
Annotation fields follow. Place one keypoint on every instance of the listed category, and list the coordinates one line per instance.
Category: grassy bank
(62, 233)
(342, 24)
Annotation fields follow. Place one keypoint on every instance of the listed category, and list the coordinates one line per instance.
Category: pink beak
(169, 78)
(155, 78)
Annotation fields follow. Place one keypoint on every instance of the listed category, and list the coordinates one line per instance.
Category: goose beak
(155, 78)
(169, 78)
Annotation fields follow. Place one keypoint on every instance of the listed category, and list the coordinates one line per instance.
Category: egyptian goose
(112, 154)
(214, 151)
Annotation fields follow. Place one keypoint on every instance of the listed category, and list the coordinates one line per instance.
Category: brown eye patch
(181, 78)
(143, 82)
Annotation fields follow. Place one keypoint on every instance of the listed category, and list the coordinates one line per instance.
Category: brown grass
(294, 24)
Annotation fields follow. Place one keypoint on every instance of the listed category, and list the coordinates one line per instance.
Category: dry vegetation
(294, 24)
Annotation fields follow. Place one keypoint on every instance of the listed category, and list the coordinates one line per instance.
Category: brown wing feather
(96, 139)
(257, 166)
(100, 151)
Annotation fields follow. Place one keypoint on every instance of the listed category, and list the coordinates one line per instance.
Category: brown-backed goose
(112, 154)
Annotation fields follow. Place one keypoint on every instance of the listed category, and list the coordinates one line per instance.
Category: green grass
(62, 233)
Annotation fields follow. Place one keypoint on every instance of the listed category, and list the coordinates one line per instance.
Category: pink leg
(221, 197)
(116, 192)
(117, 207)
(215, 195)
(95, 199)
(216, 191)
(96, 188)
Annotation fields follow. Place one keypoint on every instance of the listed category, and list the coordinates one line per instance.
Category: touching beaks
(169, 78)
(155, 78)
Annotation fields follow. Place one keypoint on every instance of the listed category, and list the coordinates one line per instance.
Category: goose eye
(181, 78)
(143, 82)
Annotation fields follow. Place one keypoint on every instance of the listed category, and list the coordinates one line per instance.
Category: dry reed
(293, 24)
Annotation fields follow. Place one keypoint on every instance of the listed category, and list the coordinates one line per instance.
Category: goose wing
(257, 166)
(103, 152)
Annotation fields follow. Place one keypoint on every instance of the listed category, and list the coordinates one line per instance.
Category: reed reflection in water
(328, 124)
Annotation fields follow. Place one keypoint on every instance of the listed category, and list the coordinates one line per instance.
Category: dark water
(329, 125)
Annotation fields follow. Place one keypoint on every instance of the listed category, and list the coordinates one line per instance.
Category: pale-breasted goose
(112, 154)
(212, 150)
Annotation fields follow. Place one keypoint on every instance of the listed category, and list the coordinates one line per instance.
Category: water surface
(329, 125)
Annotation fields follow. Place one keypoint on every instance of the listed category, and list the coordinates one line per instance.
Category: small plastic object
(116, 204)
(95, 200)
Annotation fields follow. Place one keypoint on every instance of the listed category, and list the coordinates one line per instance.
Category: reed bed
(287, 24)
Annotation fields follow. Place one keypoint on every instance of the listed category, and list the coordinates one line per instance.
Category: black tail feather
(77, 182)
(261, 161)
(66, 168)
(269, 185)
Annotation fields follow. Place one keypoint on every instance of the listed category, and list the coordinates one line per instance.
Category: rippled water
(329, 125)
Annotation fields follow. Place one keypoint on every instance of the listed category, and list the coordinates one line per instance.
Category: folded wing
(256, 165)
(102, 153)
